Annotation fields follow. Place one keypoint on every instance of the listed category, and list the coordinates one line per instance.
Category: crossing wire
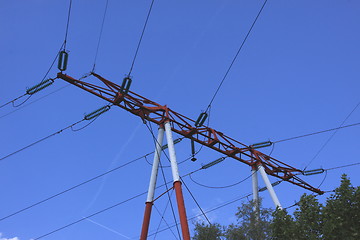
(236, 55)
(141, 37)
(103, 210)
(329, 139)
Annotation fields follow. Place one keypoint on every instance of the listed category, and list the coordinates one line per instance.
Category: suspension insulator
(125, 86)
(210, 164)
(97, 112)
(201, 119)
(193, 158)
(40, 86)
(63, 60)
(261, 145)
(313, 172)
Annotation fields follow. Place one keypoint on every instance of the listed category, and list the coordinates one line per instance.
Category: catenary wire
(141, 37)
(100, 35)
(221, 187)
(236, 55)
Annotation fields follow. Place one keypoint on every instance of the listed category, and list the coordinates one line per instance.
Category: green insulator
(97, 112)
(201, 119)
(40, 86)
(63, 60)
(313, 172)
(261, 145)
(125, 86)
(210, 164)
(175, 142)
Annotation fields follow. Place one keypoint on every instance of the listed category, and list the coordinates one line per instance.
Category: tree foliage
(338, 218)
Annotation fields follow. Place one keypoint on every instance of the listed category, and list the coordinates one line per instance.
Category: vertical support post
(177, 183)
(152, 184)
(255, 189)
(269, 186)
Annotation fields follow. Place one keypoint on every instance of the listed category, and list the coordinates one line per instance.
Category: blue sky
(297, 73)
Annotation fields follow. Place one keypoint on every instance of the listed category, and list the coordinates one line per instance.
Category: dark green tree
(308, 218)
(208, 232)
(282, 225)
(250, 225)
(341, 213)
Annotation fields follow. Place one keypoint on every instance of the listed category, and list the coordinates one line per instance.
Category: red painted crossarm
(151, 111)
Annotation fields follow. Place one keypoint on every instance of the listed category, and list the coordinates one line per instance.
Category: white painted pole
(255, 188)
(170, 142)
(155, 166)
(269, 186)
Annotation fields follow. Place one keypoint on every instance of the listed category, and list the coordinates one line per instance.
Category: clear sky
(297, 73)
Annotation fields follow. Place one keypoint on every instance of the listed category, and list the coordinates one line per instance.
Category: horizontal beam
(151, 111)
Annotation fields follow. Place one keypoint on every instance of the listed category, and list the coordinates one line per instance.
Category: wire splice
(210, 164)
(97, 112)
(40, 86)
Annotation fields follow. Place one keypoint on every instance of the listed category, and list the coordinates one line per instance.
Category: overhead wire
(105, 209)
(141, 37)
(49, 136)
(67, 24)
(17, 109)
(329, 139)
(100, 35)
(315, 133)
(236, 55)
(221, 187)
(42, 139)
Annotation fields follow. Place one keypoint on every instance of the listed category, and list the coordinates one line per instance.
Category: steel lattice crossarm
(151, 111)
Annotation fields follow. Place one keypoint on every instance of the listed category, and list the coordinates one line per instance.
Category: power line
(17, 109)
(90, 116)
(208, 211)
(100, 35)
(329, 139)
(73, 187)
(220, 187)
(104, 210)
(343, 166)
(314, 133)
(141, 37)
(236, 55)
(42, 139)
(67, 24)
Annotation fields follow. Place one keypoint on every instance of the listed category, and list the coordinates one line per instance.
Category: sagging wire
(86, 117)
